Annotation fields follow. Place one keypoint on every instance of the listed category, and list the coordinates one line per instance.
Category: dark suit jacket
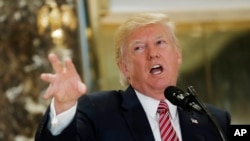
(119, 116)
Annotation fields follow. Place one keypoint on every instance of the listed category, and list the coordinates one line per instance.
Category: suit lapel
(135, 116)
(191, 126)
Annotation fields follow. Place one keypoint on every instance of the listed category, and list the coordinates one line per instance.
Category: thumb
(48, 93)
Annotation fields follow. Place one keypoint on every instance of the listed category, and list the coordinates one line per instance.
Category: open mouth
(156, 69)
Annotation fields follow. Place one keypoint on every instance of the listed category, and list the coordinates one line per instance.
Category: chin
(160, 85)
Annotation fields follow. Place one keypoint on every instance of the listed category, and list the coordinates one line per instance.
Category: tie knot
(163, 107)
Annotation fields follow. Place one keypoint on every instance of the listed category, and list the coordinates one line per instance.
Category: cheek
(173, 62)
(134, 68)
(135, 63)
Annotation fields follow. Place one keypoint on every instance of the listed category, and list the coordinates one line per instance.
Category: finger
(56, 63)
(81, 88)
(48, 77)
(70, 66)
(49, 93)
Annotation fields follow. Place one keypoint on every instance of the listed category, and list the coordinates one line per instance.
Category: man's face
(151, 59)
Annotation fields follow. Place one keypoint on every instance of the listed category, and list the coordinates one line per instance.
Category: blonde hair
(137, 21)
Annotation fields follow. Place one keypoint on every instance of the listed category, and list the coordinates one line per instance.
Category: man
(148, 58)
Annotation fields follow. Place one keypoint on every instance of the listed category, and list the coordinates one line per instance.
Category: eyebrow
(135, 42)
(159, 36)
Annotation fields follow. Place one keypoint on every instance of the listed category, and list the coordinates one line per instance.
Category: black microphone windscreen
(171, 92)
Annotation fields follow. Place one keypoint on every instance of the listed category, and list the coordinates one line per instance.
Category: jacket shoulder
(100, 100)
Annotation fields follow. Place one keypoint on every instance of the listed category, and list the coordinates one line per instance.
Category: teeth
(156, 69)
(157, 72)
(156, 66)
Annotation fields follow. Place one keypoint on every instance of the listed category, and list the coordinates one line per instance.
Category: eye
(139, 48)
(161, 43)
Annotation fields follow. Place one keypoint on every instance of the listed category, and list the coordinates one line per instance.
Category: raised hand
(65, 85)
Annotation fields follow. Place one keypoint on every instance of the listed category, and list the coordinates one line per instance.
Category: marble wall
(23, 58)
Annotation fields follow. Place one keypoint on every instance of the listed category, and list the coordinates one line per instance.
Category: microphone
(189, 101)
(186, 101)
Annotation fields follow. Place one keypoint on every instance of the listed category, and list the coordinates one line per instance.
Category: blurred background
(214, 36)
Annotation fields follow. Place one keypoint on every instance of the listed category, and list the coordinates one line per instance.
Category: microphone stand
(192, 91)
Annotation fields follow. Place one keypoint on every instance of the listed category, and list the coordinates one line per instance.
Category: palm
(65, 85)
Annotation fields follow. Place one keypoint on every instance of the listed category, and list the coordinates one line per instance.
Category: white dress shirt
(150, 105)
(60, 121)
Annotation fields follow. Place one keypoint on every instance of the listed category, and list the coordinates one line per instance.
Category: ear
(179, 55)
(123, 68)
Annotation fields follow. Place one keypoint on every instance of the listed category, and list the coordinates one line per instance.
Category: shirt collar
(150, 105)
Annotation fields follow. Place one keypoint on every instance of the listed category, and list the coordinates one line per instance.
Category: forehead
(152, 31)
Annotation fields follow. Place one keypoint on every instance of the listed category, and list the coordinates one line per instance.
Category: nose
(153, 53)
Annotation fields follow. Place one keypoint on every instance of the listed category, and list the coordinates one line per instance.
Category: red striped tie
(167, 131)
